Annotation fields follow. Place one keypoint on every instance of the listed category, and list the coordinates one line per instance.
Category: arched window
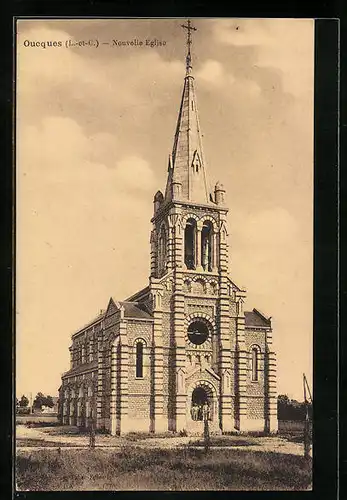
(189, 244)
(254, 363)
(206, 246)
(90, 356)
(83, 353)
(139, 359)
(88, 407)
(187, 286)
(79, 354)
(162, 250)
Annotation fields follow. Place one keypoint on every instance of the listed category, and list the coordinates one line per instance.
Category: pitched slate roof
(257, 319)
(135, 310)
(134, 296)
(97, 318)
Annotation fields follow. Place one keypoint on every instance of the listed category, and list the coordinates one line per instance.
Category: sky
(95, 126)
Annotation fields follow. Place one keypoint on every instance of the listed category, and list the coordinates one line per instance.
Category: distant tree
(290, 409)
(49, 402)
(24, 401)
(42, 400)
(39, 401)
(17, 402)
(283, 399)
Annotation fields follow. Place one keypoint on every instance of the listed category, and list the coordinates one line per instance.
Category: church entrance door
(200, 403)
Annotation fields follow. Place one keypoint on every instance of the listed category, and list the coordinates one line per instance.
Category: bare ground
(30, 438)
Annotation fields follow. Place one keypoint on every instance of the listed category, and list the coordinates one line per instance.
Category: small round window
(197, 332)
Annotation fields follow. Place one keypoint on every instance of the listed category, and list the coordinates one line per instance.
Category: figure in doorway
(206, 411)
(195, 411)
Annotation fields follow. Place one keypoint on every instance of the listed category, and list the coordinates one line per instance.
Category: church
(151, 362)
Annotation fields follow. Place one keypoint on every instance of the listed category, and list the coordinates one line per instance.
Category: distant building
(147, 363)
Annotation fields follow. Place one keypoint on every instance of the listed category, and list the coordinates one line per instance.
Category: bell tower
(178, 214)
(189, 249)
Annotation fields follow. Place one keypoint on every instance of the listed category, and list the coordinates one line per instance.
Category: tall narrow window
(162, 250)
(189, 244)
(206, 246)
(139, 360)
(254, 364)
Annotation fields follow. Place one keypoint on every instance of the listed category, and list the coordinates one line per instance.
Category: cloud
(73, 220)
(69, 157)
(242, 32)
(285, 44)
(135, 172)
(274, 261)
(265, 243)
(72, 83)
(212, 72)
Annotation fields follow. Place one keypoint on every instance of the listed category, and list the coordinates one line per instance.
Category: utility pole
(307, 438)
(206, 412)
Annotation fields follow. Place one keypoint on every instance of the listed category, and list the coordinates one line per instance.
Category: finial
(189, 29)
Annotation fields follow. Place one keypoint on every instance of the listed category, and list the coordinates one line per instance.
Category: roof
(135, 310)
(257, 319)
(138, 294)
(97, 318)
(93, 365)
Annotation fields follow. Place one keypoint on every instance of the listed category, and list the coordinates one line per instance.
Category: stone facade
(149, 363)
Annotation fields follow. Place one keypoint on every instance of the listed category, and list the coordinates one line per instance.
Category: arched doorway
(201, 400)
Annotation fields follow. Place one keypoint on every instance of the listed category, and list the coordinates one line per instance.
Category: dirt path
(53, 435)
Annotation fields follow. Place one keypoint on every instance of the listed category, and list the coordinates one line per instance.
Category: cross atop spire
(189, 29)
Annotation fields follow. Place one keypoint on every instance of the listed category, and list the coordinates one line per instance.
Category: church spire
(187, 176)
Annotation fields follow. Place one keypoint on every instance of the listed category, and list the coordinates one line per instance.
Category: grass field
(295, 426)
(163, 470)
(139, 461)
(37, 419)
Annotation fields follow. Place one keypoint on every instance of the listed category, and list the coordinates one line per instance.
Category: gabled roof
(132, 309)
(257, 319)
(135, 310)
(238, 287)
(138, 294)
(96, 319)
